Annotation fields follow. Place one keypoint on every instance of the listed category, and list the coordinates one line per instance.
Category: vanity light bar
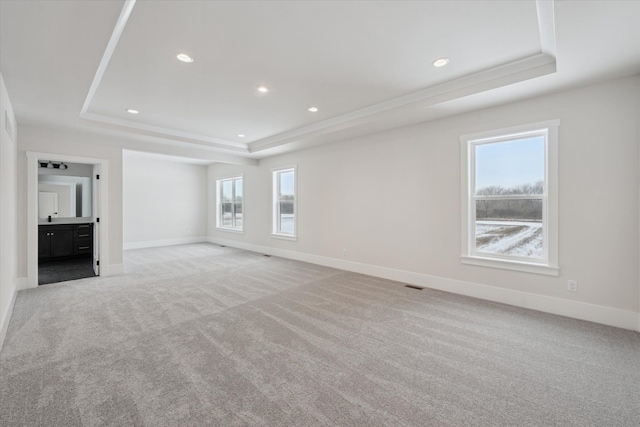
(51, 165)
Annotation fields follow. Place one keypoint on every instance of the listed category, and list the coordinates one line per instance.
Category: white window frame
(275, 197)
(548, 265)
(219, 224)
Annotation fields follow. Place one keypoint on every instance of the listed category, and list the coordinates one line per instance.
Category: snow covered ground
(509, 238)
(286, 223)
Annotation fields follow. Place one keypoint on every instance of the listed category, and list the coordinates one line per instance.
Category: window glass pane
(226, 191)
(286, 185)
(287, 219)
(238, 214)
(226, 214)
(509, 227)
(510, 167)
(238, 183)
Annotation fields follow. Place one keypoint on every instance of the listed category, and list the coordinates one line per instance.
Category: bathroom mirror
(64, 190)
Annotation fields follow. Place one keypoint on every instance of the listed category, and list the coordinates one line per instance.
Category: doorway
(64, 235)
(66, 231)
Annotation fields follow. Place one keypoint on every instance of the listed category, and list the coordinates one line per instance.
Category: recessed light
(263, 89)
(313, 109)
(184, 57)
(440, 62)
(241, 135)
(130, 111)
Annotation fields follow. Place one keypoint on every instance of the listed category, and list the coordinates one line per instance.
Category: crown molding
(539, 64)
(502, 75)
(167, 133)
(125, 13)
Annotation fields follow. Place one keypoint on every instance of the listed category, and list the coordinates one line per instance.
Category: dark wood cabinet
(44, 243)
(65, 240)
(83, 239)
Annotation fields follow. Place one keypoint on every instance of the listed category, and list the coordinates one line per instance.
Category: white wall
(345, 192)
(44, 140)
(8, 210)
(165, 202)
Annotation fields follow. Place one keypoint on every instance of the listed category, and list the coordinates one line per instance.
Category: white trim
(284, 236)
(547, 26)
(513, 72)
(511, 130)
(232, 230)
(125, 13)
(32, 208)
(507, 264)
(219, 181)
(559, 306)
(230, 176)
(469, 254)
(275, 192)
(172, 134)
(4, 325)
(165, 242)
(9, 125)
(536, 65)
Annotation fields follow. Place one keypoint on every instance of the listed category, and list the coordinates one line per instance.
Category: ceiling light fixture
(241, 135)
(440, 62)
(263, 89)
(184, 57)
(313, 109)
(130, 111)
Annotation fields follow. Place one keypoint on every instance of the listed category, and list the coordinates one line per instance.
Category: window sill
(230, 230)
(525, 267)
(284, 237)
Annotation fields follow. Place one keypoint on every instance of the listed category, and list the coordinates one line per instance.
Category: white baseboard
(168, 242)
(4, 322)
(575, 309)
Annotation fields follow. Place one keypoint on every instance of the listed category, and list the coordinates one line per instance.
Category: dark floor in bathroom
(63, 270)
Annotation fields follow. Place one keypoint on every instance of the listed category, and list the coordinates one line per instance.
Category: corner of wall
(638, 189)
(8, 210)
(112, 270)
(4, 322)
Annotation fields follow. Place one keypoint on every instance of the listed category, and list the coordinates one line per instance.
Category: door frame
(33, 159)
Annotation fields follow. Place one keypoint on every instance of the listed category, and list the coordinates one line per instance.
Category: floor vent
(414, 287)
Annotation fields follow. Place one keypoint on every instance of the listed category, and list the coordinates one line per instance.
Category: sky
(510, 163)
(286, 183)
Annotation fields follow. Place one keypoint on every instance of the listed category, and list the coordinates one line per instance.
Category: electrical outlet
(572, 286)
(344, 251)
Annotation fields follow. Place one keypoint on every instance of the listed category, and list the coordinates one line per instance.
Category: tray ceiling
(366, 66)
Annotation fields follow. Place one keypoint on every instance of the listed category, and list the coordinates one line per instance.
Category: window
(284, 203)
(229, 202)
(509, 217)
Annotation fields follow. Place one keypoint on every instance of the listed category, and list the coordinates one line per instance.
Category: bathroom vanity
(57, 240)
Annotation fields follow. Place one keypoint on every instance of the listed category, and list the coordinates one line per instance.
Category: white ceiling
(367, 65)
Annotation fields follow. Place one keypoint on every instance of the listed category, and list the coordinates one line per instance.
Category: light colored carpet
(200, 335)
